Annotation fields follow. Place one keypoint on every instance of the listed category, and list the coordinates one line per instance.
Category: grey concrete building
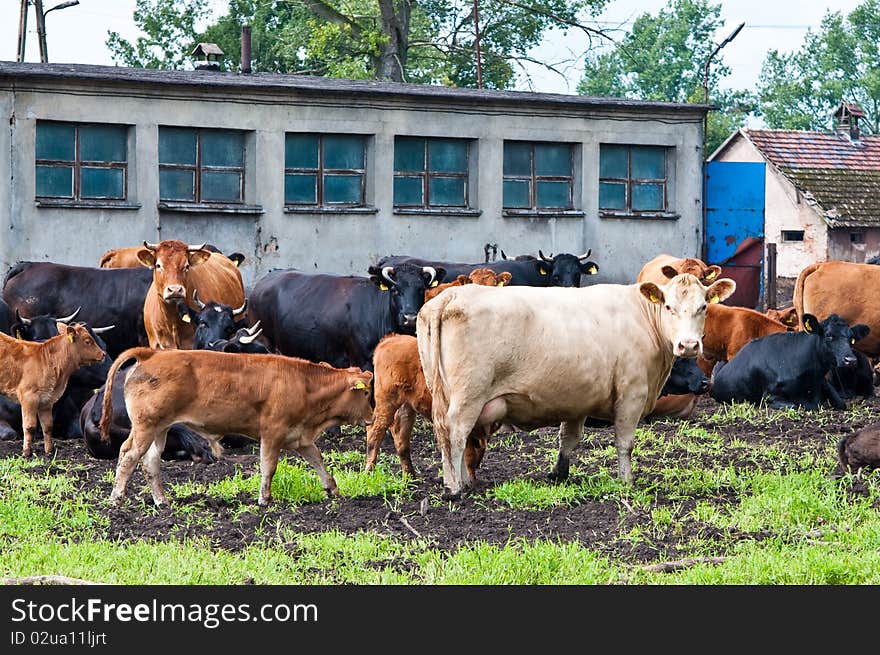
(330, 175)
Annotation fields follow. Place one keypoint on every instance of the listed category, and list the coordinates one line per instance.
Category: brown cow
(846, 289)
(485, 276)
(664, 267)
(35, 374)
(859, 450)
(282, 402)
(787, 316)
(128, 257)
(728, 329)
(178, 271)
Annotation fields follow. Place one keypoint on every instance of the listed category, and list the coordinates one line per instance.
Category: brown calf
(787, 316)
(35, 374)
(282, 402)
(859, 450)
(728, 329)
(485, 276)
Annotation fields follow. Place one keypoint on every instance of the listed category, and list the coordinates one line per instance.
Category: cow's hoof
(115, 501)
(448, 495)
(332, 493)
(557, 476)
(26, 453)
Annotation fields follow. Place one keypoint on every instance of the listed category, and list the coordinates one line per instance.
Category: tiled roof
(840, 178)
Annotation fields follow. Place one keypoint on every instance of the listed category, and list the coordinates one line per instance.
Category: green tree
(840, 62)
(428, 41)
(662, 58)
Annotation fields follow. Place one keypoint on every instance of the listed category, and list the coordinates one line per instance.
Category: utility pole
(477, 44)
(41, 30)
(22, 29)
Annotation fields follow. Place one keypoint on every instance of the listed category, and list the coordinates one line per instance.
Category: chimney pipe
(245, 48)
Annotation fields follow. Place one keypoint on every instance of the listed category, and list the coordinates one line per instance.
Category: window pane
(301, 151)
(612, 196)
(517, 158)
(612, 161)
(342, 188)
(446, 191)
(56, 141)
(343, 152)
(554, 160)
(516, 193)
(408, 191)
(176, 185)
(177, 145)
(101, 183)
(553, 194)
(301, 189)
(55, 181)
(649, 163)
(409, 154)
(447, 156)
(646, 197)
(223, 186)
(222, 148)
(102, 143)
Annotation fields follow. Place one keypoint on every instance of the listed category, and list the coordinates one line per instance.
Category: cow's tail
(140, 354)
(798, 298)
(434, 373)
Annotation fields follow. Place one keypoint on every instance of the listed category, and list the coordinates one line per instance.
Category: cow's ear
(542, 268)
(720, 290)
(859, 332)
(441, 274)
(187, 315)
(669, 271)
(376, 278)
(146, 257)
(237, 258)
(589, 268)
(652, 292)
(462, 280)
(712, 272)
(812, 325)
(197, 257)
(503, 278)
(66, 330)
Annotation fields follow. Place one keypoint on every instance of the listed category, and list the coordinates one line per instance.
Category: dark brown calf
(859, 450)
(282, 402)
(35, 374)
(728, 329)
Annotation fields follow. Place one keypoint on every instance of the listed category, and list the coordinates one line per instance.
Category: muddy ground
(597, 524)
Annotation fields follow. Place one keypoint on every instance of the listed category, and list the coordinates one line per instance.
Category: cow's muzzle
(409, 320)
(174, 292)
(688, 348)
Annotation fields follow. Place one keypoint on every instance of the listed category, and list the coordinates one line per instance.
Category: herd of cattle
(161, 352)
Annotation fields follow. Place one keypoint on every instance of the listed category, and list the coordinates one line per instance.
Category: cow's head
(85, 348)
(244, 341)
(565, 270)
(836, 339)
(488, 278)
(405, 285)
(682, 303)
(171, 261)
(696, 267)
(38, 328)
(213, 321)
(685, 377)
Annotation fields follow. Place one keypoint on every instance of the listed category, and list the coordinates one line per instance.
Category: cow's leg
(130, 453)
(309, 452)
(269, 451)
(626, 419)
(477, 441)
(46, 423)
(382, 417)
(461, 419)
(28, 425)
(570, 434)
(151, 465)
(401, 432)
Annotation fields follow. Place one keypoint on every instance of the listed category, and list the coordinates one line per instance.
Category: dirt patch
(597, 523)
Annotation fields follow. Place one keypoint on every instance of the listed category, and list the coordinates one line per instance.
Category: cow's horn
(194, 248)
(586, 254)
(101, 330)
(68, 319)
(546, 259)
(253, 328)
(196, 300)
(432, 271)
(386, 274)
(250, 338)
(241, 309)
(22, 319)
(150, 246)
(503, 256)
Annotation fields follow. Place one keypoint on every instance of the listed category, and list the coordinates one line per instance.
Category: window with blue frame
(430, 172)
(325, 169)
(201, 165)
(537, 175)
(81, 161)
(632, 179)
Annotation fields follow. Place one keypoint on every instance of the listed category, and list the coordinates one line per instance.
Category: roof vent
(846, 120)
(208, 57)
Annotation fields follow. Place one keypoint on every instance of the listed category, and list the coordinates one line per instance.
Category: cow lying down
(859, 450)
(790, 369)
(282, 402)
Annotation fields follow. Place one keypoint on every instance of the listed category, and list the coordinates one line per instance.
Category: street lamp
(41, 23)
(709, 60)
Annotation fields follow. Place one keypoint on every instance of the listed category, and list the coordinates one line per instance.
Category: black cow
(213, 321)
(686, 377)
(563, 270)
(789, 369)
(855, 381)
(339, 319)
(113, 296)
(6, 317)
(243, 341)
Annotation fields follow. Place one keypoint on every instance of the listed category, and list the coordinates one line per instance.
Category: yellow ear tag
(434, 284)
(499, 284)
(714, 299)
(70, 337)
(360, 385)
(185, 318)
(542, 271)
(593, 270)
(18, 334)
(383, 286)
(654, 298)
(807, 326)
(711, 275)
(852, 342)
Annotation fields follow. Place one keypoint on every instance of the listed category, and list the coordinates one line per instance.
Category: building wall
(345, 243)
(841, 246)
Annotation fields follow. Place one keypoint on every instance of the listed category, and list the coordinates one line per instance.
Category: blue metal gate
(735, 225)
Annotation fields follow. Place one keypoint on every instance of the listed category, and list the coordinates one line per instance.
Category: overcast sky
(78, 34)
